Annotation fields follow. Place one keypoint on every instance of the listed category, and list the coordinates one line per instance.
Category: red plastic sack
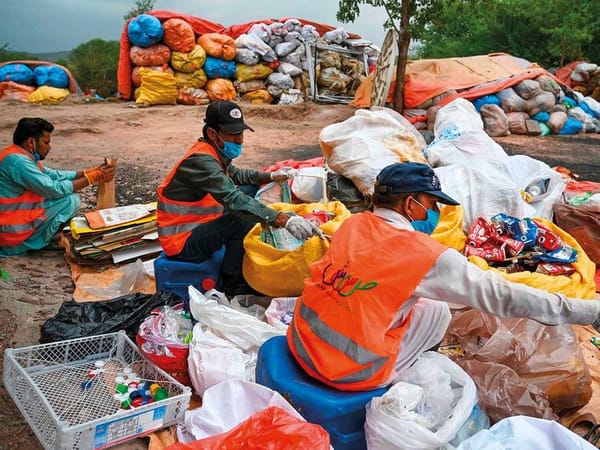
(269, 429)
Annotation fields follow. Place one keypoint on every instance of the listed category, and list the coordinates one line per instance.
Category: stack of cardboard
(114, 235)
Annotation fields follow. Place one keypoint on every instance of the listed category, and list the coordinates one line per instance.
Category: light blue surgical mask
(428, 225)
(231, 150)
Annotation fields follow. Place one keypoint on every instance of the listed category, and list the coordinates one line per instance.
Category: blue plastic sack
(571, 126)
(17, 73)
(219, 68)
(51, 76)
(542, 116)
(486, 100)
(145, 30)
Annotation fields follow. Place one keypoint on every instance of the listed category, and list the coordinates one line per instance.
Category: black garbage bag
(77, 320)
(343, 189)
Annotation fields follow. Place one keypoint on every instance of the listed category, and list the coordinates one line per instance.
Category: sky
(44, 26)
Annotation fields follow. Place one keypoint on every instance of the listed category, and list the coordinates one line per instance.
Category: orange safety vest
(340, 333)
(177, 219)
(20, 216)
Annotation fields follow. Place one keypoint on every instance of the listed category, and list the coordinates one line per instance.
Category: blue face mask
(231, 150)
(428, 225)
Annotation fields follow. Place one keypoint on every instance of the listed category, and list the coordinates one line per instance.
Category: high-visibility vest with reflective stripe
(176, 219)
(20, 216)
(341, 330)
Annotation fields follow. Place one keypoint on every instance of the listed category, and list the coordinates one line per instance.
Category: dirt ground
(147, 142)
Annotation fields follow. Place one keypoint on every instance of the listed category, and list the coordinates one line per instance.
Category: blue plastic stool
(174, 277)
(341, 413)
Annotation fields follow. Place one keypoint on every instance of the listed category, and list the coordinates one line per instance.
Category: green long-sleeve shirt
(201, 174)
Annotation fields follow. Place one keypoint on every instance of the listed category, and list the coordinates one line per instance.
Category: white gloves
(284, 172)
(302, 229)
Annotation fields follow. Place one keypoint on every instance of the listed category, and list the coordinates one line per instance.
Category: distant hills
(52, 56)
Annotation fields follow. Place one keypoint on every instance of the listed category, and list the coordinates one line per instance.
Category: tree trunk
(403, 44)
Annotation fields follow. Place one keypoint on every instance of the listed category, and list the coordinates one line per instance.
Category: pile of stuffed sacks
(42, 84)
(268, 64)
(535, 107)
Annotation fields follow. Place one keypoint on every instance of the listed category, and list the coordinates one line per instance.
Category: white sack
(454, 146)
(362, 145)
(525, 433)
(225, 342)
(484, 187)
(458, 114)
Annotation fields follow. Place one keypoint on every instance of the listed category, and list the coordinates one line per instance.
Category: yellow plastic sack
(449, 229)
(195, 79)
(48, 95)
(245, 72)
(281, 273)
(580, 284)
(158, 88)
(188, 62)
(258, 97)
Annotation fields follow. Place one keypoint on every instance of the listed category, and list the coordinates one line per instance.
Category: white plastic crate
(45, 382)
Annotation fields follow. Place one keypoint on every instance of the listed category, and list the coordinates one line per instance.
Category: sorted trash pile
(36, 82)
(114, 235)
(182, 59)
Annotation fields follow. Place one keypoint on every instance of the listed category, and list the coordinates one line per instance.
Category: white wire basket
(67, 410)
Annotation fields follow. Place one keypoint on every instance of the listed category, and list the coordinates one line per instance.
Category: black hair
(385, 200)
(206, 127)
(28, 127)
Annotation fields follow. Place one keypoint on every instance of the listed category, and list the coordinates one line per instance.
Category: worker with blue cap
(379, 296)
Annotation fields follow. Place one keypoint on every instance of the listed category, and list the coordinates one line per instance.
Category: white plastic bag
(280, 311)
(389, 425)
(225, 342)
(309, 184)
(228, 404)
(457, 146)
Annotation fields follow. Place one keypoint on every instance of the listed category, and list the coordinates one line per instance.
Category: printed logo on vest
(343, 282)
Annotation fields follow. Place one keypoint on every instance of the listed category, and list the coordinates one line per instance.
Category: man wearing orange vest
(377, 298)
(36, 201)
(201, 206)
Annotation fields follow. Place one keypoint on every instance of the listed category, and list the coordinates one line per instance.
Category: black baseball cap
(399, 178)
(227, 116)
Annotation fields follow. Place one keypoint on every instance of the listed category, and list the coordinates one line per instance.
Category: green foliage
(9, 55)
(141, 7)
(551, 33)
(94, 66)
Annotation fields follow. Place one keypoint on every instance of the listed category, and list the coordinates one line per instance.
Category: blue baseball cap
(400, 178)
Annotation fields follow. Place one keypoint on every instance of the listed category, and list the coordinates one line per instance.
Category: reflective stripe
(343, 344)
(175, 229)
(20, 228)
(11, 207)
(189, 209)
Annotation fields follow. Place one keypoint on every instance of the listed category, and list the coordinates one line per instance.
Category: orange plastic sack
(9, 90)
(179, 35)
(218, 45)
(155, 55)
(220, 89)
(269, 429)
(192, 96)
(548, 357)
